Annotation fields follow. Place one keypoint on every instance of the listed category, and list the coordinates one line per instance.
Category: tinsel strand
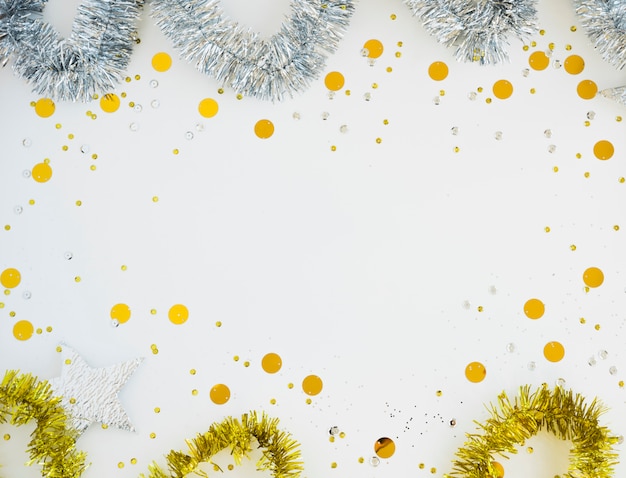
(478, 29)
(92, 60)
(281, 453)
(605, 23)
(269, 69)
(22, 399)
(560, 412)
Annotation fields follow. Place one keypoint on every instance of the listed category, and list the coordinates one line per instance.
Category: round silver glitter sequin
(374, 461)
(26, 173)
(84, 148)
(343, 128)
(333, 430)
(325, 115)
(331, 95)
(371, 61)
(365, 52)
(155, 104)
(115, 323)
(295, 115)
(547, 133)
(592, 361)
(560, 382)
(498, 135)
(612, 369)
(510, 347)
(603, 354)
(454, 130)
(531, 366)
(367, 96)
(452, 422)
(68, 255)
(18, 209)
(26, 295)
(199, 127)
(27, 143)
(472, 95)
(154, 83)
(525, 72)
(137, 108)
(552, 148)
(436, 100)
(133, 127)
(591, 115)
(466, 304)
(188, 135)
(556, 64)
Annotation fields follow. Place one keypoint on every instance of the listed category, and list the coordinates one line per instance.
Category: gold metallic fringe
(281, 453)
(557, 411)
(24, 398)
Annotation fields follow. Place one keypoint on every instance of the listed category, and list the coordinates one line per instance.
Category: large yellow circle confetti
(603, 150)
(45, 107)
(120, 312)
(110, 103)
(574, 64)
(178, 314)
(502, 89)
(499, 470)
(534, 309)
(475, 372)
(312, 385)
(10, 278)
(264, 128)
(208, 107)
(384, 447)
(438, 71)
(334, 81)
(23, 330)
(42, 172)
(538, 61)
(272, 363)
(374, 48)
(593, 277)
(161, 61)
(554, 351)
(587, 89)
(219, 394)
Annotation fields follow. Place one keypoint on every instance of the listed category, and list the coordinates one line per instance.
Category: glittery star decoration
(90, 394)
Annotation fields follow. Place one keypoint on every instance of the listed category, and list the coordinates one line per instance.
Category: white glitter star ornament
(90, 394)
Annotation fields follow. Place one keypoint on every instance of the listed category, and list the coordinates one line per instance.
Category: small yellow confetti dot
(389, 69)
(582, 320)
(572, 247)
(94, 116)
(120, 465)
(547, 229)
(12, 314)
(433, 470)
(94, 156)
(133, 461)
(533, 91)
(622, 180)
(273, 401)
(333, 148)
(542, 32)
(555, 169)
(104, 426)
(457, 149)
(153, 435)
(480, 308)
(194, 392)
(488, 101)
(551, 46)
(439, 393)
(231, 467)
(597, 326)
(616, 227)
(157, 410)
(59, 349)
(123, 94)
(398, 54)
(578, 155)
(572, 28)
(70, 136)
(153, 311)
(246, 364)
(72, 400)
(39, 331)
(192, 371)
(361, 459)
(587, 123)
(308, 401)
(525, 48)
(68, 362)
(533, 43)
(290, 385)
(374, 85)
(218, 324)
(137, 77)
(31, 202)
(239, 96)
(348, 92)
(342, 435)
(77, 279)
(421, 466)
(568, 47)
(236, 358)
(393, 16)
(155, 198)
(331, 439)
(587, 174)
(333, 465)
(79, 203)
(7, 436)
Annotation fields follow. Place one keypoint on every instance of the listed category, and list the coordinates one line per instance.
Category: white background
(365, 266)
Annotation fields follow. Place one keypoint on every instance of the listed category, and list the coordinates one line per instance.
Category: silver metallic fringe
(617, 94)
(479, 29)
(92, 60)
(268, 69)
(605, 23)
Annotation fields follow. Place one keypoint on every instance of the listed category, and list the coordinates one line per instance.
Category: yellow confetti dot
(502, 89)
(333, 464)
(475, 372)
(273, 401)
(7, 436)
(554, 351)
(361, 459)
(219, 394)
(587, 89)
(334, 81)
(393, 16)
(155, 198)
(290, 385)
(110, 103)
(312, 385)
(192, 371)
(534, 309)
(120, 464)
(161, 62)
(547, 229)
(178, 314)
(23, 330)
(574, 64)
(41, 172)
(264, 128)
(593, 277)
(616, 227)
(499, 469)
(603, 150)
(246, 364)
(271, 362)
(79, 203)
(538, 60)
(10, 278)
(194, 392)
(157, 410)
(374, 48)
(153, 435)
(133, 461)
(120, 312)
(384, 447)
(45, 107)
(208, 107)
(379, 140)
(573, 28)
(572, 247)
(438, 71)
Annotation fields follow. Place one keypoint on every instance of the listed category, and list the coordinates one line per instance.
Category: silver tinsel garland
(605, 23)
(268, 69)
(92, 60)
(478, 28)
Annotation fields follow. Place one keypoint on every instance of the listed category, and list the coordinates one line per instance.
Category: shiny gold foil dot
(622, 180)
(79, 203)
(236, 358)
(273, 401)
(104, 426)
(379, 140)
(137, 77)
(57, 126)
(12, 314)
(480, 308)
(551, 46)
(587, 174)
(398, 54)
(153, 435)
(616, 227)
(525, 48)
(38, 331)
(568, 47)
(157, 410)
(65, 147)
(31, 202)
(77, 279)
(421, 466)
(155, 198)
(123, 94)
(331, 439)
(533, 91)
(342, 435)
(192, 371)
(59, 349)
(333, 465)
(239, 96)
(7, 436)
(389, 69)
(582, 320)
(133, 461)
(127, 79)
(533, 43)
(246, 364)
(555, 169)
(542, 32)
(488, 101)
(72, 400)
(621, 384)
(153, 311)
(194, 392)
(572, 247)
(309, 401)
(530, 449)
(94, 156)
(290, 385)
(374, 85)
(587, 123)
(7, 227)
(433, 470)
(175, 151)
(231, 467)
(578, 155)
(597, 326)
(348, 92)
(457, 149)
(333, 148)
(120, 464)
(572, 28)
(93, 167)
(361, 459)
(547, 228)
(439, 393)
(393, 16)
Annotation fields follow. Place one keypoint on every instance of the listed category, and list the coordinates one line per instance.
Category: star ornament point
(90, 395)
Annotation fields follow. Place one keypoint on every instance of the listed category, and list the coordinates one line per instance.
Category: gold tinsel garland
(280, 451)
(558, 411)
(24, 398)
